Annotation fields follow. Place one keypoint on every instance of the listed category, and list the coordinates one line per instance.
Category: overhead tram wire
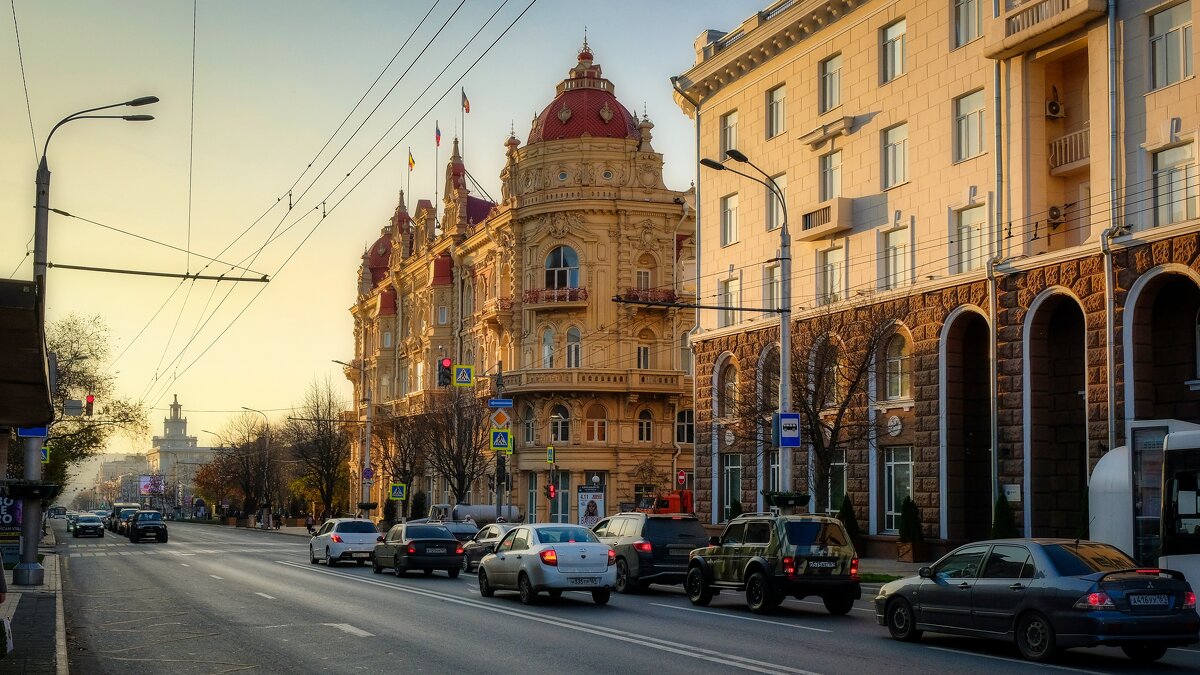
(24, 83)
(356, 185)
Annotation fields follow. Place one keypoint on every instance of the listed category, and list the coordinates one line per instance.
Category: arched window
(560, 425)
(562, 268)
(597, 424)
(574, 348)
(644, 274)
(645, 426)
(897, 368)
(728, 403)
(685, 426)
(527, 424)
(548, 348)
(769, 380)
(645, 349)
(827, 357)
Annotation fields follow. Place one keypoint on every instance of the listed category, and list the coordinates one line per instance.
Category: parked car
(651, 548)
(1047, 595)
(113, 518)
(123, 521)
(144, 525)
(423, 546)
(343, 539)
(549, 557)
(71, 517)
(88, 524)
(482, 543)
(770, 557)
(461, 529)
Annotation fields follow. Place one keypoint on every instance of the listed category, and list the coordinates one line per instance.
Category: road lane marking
(1019, 661)
(814, 602)
(743, 618)
(670, 646)
(215, 576)
(269, 597)
(185, 564)
(347, 628)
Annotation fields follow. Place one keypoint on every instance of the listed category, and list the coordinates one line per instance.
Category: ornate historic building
(525, 287)
(1014, 194)
(176, 457)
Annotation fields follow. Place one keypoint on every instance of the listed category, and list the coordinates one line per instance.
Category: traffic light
(90, 401)
(445, 375)
(550, 492)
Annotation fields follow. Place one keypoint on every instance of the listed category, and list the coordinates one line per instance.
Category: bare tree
(459, 442)
(247, 457)
(319, 441)
(405, 441)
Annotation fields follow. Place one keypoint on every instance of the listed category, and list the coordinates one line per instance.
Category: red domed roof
(585, 104)
(379, 256)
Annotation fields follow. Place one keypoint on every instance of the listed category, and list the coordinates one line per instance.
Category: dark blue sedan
(1047, 595)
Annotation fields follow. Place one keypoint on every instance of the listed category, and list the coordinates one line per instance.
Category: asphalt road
(220, 600)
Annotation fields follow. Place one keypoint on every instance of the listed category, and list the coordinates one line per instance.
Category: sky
(272, 83)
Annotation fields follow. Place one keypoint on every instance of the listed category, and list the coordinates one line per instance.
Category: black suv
(146, 524)
(651, 548)
(773, 556)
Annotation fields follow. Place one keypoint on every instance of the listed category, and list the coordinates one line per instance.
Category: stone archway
(968, 427)
(1056, 452)
(1164, 335)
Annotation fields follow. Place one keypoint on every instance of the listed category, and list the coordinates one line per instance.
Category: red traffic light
(88, 405)
(90, 398)
(553, 492)
(446, 362)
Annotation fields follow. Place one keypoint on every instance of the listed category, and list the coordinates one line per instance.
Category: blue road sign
(787, 429)
(499, 402)
(45, 455)
(464, 376)
(399, 491)
(368, 473)
(500, 439)
(31, 432)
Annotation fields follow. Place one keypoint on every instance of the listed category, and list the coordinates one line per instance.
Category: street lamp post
(365, 487)
(268, 519)
(29, 572)
(785, 294)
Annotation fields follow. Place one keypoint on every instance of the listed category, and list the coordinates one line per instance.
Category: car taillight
(335, 538)
(549, 557)
(789, 565)
(854, 569)
(643, 547)
(459, 550)
(412, 549)
(1189, 600)
(612, 557)
(1095, 602)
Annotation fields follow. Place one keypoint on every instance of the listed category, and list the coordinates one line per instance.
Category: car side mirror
(379, 538)
(714, 541)
(925, 572)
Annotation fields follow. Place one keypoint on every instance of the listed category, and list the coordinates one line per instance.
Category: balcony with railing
(496, 310)
(1070, 153)
(597, 380)
(824, 219)
(1028, 24)
(564, 298)
(663, 295)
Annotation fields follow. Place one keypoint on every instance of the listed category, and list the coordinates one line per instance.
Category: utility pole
(501, 467)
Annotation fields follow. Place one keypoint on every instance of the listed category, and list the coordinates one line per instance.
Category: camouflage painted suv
(773, 556)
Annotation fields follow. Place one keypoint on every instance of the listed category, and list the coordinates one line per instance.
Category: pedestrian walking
(308, 522)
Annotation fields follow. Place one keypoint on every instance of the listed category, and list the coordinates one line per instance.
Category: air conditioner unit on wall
(1054, 110)
(1054, 215)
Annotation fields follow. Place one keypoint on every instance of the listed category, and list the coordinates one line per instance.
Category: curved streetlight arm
(83, 114)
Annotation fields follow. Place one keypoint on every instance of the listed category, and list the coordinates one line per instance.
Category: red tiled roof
(478, 209)
(379, 256)
(585, 106)
(387, 301)
(442, 270)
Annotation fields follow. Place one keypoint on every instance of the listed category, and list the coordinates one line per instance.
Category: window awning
(24, 383)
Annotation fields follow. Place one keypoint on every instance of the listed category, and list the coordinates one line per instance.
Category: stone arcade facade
(1037, 311)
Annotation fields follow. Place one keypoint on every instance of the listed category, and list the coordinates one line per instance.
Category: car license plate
(362, 555)
(1147, 600)
(822, 564)
(435, 550)
(584, 581)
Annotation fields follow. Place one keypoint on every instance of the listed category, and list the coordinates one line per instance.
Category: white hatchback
(343, 539)
(549, 557)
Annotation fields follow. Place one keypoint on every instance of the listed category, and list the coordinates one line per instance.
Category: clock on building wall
(894, 426)
(728, 437)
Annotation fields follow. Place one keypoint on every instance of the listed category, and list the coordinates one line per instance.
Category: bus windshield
(1181, 512)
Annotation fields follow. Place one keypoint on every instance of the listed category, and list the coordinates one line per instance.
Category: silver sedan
(549, 557)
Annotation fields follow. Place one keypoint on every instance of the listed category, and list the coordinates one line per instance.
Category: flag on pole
(466, 102)
(411, 162)
(438, 135)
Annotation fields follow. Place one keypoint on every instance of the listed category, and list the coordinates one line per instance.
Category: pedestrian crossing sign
(500, 440)
(464, 376)
(45, 455)
(399, 492)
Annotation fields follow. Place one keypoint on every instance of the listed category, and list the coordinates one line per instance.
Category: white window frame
(894, 245)
(643, 278)
(532, 496)
(968, 21)
(838, 470)
(893, 49)
(895, 155)
(830, 169)
(729, 123)
(775, 210)
(897, 460)
(971, 247)
(574, 348)
(1167, 184)
(968, 125)
(772, 297)
(729, 219)
(548, 338)
(685, 353)
(1171, 46)
(831, 275)
(776, 111)
(685, 425)
(645, 426)
(774, 471)
(528, 425)
(560, 427)
(830, 79)
(729, 294)
(597, 430)
(443, 315)
(643, 357)
(731, 483)
(897, 378)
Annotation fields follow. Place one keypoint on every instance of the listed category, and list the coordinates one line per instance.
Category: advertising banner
(10, 528)
(591, 504)
(150, 485)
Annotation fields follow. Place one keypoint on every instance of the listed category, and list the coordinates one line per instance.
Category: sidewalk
(38, 623)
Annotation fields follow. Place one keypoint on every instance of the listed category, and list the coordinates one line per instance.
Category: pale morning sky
(273, 80)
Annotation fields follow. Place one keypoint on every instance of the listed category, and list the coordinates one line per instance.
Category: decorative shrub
(420, 505)
(1004, 524)
(910, 522)
(849, 521)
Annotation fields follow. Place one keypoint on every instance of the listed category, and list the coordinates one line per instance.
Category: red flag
(466, 102)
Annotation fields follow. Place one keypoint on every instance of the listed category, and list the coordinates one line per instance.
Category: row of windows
(897, 482)
(596, 425)
(645, 356)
